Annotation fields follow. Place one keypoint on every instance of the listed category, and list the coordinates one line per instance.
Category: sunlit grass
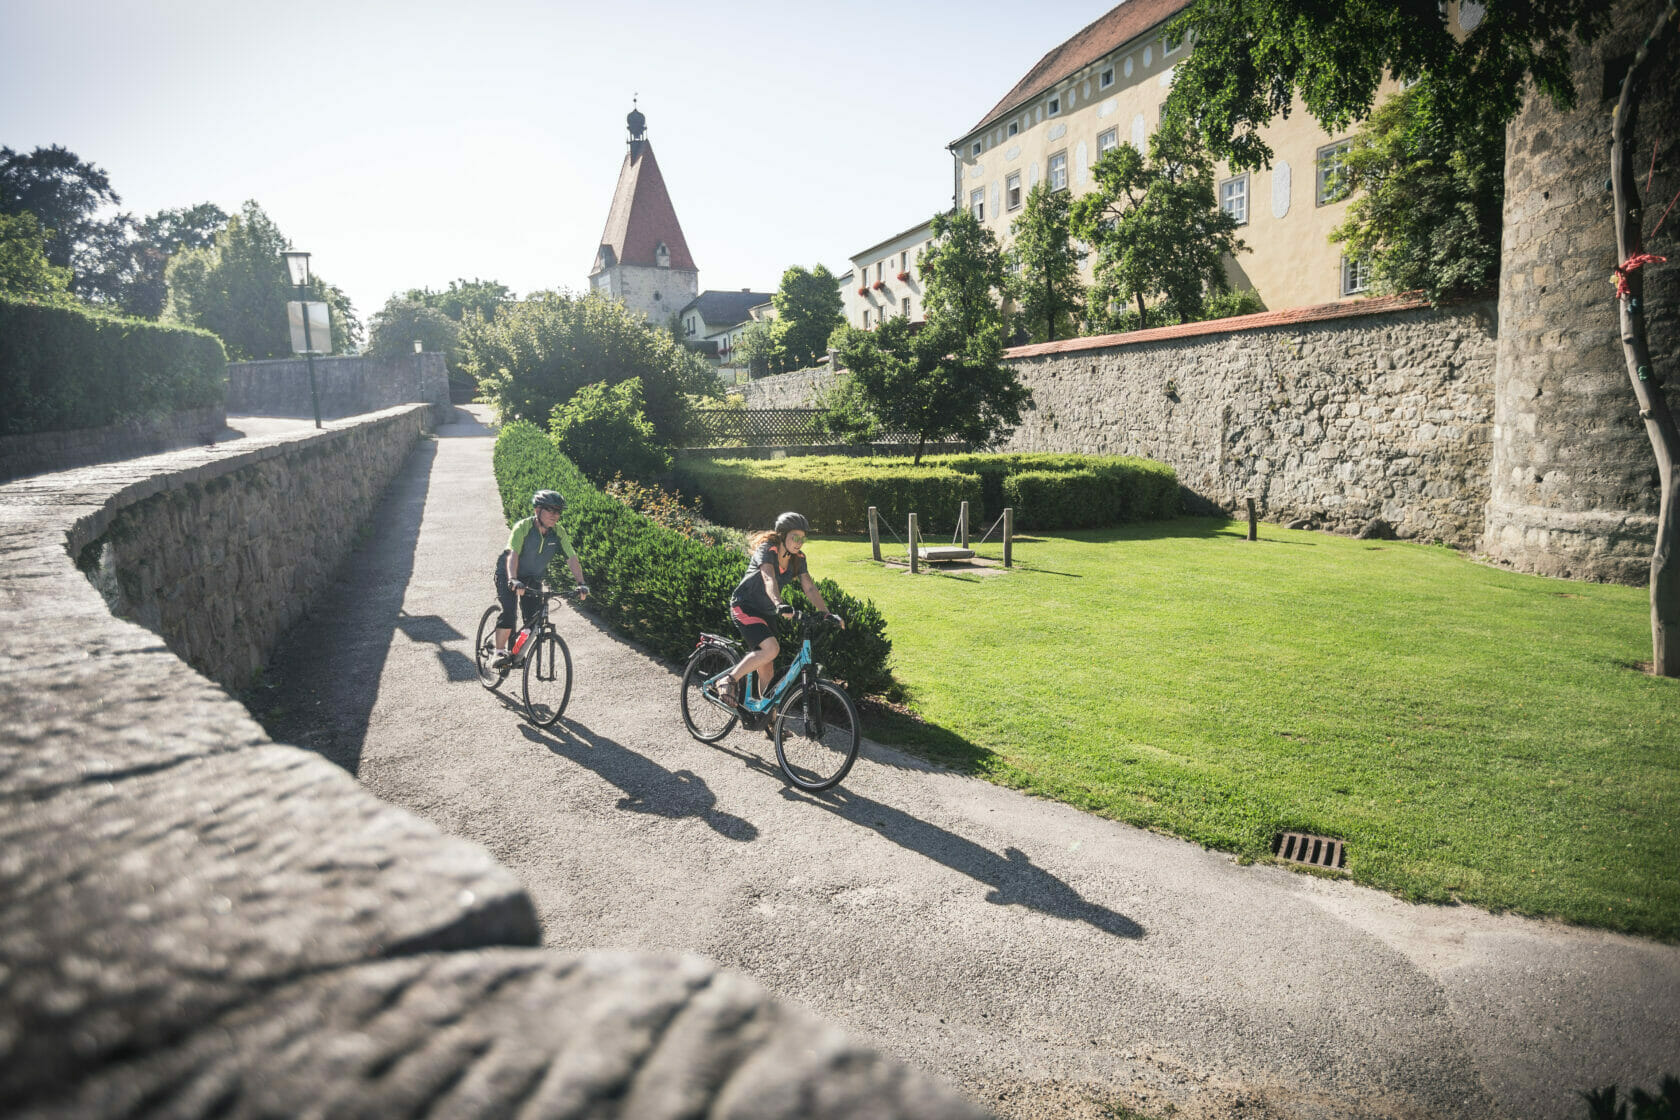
(1472, 733)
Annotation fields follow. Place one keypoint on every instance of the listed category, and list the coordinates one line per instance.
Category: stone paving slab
(509, 1033)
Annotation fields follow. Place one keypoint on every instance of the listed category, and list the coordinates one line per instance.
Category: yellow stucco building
(1105, 85)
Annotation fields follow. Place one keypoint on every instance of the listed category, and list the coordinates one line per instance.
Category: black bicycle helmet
(548, 499)
(791, 522)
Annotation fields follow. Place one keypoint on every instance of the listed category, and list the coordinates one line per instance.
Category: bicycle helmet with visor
(791, 522)
(548, 499)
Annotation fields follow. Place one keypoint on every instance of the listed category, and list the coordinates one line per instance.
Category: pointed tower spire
(644, 258)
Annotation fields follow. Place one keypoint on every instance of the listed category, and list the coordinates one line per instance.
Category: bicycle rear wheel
(817, 735)
(705, 719)
(548, 679)
(484, 650)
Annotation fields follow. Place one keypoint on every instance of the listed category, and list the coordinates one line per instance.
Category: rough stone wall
(45, 452)
(196, 921)
(657, 293)
(1375, 414)
(798, 388)
(222, 558)
(346, 386)
(1574, 482)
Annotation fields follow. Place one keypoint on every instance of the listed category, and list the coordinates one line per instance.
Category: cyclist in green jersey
(534, 542)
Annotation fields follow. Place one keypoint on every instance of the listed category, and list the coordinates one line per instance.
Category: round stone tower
(1574, 480)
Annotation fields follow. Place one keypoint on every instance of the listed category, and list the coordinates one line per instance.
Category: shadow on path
(1012, 876)
(648, 787)
(321, 681)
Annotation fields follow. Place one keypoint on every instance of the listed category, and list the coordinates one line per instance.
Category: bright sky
(407, 144)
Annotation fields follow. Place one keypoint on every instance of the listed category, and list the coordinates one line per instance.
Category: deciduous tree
(808, 308)
(1045, 285)
(24, 268)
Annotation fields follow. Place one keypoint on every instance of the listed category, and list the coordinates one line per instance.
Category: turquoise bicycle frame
(760, 706)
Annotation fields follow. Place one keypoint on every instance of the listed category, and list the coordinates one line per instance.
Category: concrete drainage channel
(1323, 852)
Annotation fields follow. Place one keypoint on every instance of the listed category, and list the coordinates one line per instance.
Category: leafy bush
(655, 585)
(833, 491)
(668, 509)
(604, 431)
(64, 367)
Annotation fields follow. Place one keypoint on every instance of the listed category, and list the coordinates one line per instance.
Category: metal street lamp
(297, 264)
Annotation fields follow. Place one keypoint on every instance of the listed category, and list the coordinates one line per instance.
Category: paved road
(1048, 962)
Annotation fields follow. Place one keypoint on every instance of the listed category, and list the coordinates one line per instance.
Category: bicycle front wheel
(484, 650)
(706, 719)
(817, 735)
(548, 679)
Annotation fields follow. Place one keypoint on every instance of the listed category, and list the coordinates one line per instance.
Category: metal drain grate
(1314, 851)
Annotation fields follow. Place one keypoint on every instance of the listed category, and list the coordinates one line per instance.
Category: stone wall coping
(1341, 309)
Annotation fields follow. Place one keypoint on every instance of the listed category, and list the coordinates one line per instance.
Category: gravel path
(1045, 961)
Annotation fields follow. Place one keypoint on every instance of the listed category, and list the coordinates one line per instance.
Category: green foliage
(833, 492)
(463, 298)
(603, 430)
(836, 491)
(846, 415)
(1120, 318)
(24, 268)
(1428, 199)
(760, 349)
(237, 288)
(66, 367)
(394, 328)
(64, 192)
(1049, 298)
(963, 282)
(535, 354)
(131, 267)
(808, 308)
(1251, 59)
(667, 508)
(1156, 227)
(657, 586)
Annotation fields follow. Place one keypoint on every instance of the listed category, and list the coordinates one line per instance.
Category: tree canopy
(464, 297)
(1049, 297)
(963, 276)
(394, 328)
(808, 308)
(62, 190)
(1156, 227)
(24, 268)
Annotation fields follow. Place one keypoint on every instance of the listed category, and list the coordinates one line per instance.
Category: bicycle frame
(760, 706)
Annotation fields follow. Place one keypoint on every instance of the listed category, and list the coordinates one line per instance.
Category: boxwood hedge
(64, 367)
(659, 587)
(835, 492)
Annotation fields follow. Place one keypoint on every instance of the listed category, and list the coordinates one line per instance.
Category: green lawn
(1472, 733)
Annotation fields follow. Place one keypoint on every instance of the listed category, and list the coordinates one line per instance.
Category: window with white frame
(865, 320)
(880, 271)
(904, 261)
(974, 149)
(977, 204)
(1233, 198)
(1058, 172)
(1012, 191)
(1332, 167)
(1106, 79)
(1014, 127)
(1356, 275)
(1108, 141)
(1053, 107)
(906, 308)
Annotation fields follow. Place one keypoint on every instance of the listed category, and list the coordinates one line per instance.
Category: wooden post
(874, 535)
(962, 520)
(914, 566)
(1008, 535)
(1252, 534)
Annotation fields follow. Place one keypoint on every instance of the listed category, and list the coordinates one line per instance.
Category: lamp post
(297, 263)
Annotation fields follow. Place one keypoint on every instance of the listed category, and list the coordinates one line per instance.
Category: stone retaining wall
(45, 452)
(798, 388)
(1378, 409)
(196, 921)
(346, 386)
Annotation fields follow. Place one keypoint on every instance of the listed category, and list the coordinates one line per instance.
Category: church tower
(643, 260)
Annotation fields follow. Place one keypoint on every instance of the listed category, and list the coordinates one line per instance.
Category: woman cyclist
(520, 568)
(778, 558)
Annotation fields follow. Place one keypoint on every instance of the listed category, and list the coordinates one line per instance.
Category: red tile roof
(1342, 309)
(642, 215)
(1107, 33)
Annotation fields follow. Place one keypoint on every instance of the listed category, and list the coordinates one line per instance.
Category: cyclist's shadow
(648, 787)
(1012, 876)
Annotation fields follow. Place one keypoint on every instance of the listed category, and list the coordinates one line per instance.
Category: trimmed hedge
(835, 492)
(64, 367)
(659, 587)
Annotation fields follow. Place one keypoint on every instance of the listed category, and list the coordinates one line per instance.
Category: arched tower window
(662, 255)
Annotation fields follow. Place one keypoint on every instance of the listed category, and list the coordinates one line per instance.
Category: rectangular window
(906, 308)
(1012, 191)
(880, 271)
(904, 262)
(1107, 141)
(1233, 198)
(865, 320)
(975, 148)
(1171, 44)
(1107, 78)
(1331, 165)
(977, 203)
(1014, 127)
(1054, 107)
(1355, 275)
(1058, 171)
